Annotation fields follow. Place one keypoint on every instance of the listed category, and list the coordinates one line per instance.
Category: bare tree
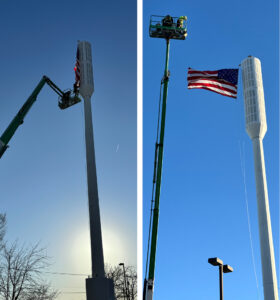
(123, 290)
(41, 292)
(20, 276)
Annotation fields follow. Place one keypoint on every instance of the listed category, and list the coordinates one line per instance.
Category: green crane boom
(168, 28)
(66, 99)
(158, 169)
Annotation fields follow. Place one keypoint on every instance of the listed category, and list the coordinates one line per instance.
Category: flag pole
(98, 286)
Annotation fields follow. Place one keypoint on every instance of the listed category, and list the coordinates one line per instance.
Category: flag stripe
(216, 83)
(214, 86)
(221, 81)
(198, 76)
(214, 90)
(191, 71)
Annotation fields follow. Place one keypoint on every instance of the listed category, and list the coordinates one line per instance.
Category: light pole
(125, 286)
(215, 261)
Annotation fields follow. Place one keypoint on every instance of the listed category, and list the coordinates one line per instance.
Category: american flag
(77, 69)
(222, 81)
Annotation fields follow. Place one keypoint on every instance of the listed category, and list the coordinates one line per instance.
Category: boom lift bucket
(68, 99)
(168, 27)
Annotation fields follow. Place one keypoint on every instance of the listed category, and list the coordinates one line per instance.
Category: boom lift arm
(168, 28)
(66, 99)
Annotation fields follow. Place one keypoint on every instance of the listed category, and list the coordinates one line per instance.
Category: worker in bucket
(167, 21)
(180, 21)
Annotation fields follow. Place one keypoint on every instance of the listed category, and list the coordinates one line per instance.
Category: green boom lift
(167, 28)
(66, 99)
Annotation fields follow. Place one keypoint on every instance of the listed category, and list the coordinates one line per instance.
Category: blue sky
(203, 206)
(43, 173)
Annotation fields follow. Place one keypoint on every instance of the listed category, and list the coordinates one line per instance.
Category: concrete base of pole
(100, 289)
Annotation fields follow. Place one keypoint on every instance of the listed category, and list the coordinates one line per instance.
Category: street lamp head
(215, 261)
(121, 264)
(227, 269)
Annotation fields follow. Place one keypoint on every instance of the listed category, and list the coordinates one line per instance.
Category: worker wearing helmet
(180, 21)
(167, 21)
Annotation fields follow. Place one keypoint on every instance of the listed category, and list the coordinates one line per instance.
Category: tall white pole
(93, 200)
(256, 128)
(98, 287)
